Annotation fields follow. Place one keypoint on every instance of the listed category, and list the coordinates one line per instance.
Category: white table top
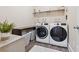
(12, 39)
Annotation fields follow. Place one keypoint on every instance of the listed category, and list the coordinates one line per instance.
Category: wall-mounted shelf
(49, 11)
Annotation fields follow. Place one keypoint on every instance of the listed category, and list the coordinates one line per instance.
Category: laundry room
(38, 29)
(51, 21)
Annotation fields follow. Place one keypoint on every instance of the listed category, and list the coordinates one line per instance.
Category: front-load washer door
(42, 32)
(58, 34)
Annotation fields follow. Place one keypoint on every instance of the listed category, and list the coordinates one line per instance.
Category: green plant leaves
(5, 27)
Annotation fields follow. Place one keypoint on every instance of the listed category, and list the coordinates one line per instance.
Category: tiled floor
(32, 43)
(37, 48)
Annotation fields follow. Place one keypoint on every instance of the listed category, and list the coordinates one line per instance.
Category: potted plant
(5, 29)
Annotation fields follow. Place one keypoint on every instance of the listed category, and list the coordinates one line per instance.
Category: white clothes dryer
(59, 34)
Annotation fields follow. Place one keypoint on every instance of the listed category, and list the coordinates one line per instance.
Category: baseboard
(70, 48)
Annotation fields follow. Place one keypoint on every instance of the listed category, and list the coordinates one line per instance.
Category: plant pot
(5, 36)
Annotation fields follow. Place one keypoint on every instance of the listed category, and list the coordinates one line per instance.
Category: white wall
(20, 15)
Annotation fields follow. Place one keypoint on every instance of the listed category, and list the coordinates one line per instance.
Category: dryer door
(42, 32)
(58, 33)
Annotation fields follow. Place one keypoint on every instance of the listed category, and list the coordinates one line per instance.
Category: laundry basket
(27, 38)
(32, 35)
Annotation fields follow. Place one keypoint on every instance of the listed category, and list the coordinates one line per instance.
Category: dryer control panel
(63, 23)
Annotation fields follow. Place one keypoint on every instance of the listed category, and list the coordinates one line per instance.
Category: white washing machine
(42, 33)
(59, 34)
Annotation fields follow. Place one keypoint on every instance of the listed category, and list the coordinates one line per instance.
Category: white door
(77, 28)
(73, 21)
(71, 13)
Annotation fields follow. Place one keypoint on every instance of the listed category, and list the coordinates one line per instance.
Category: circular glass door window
(42, 32)
(58, 34)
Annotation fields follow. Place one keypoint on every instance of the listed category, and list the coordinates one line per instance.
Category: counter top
(12, 39)
(22, 30)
